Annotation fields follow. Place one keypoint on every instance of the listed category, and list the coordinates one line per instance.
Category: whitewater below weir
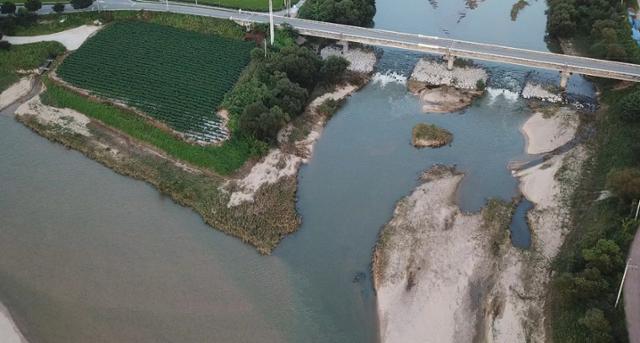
(89, 255)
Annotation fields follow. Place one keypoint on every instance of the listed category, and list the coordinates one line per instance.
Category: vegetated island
(428, 135)
(223, 133)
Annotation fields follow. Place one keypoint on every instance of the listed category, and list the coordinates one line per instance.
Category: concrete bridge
(449, 48)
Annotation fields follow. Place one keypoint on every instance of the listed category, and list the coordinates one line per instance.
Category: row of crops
(178, 77)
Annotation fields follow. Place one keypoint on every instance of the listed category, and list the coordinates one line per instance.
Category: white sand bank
(544, 133)
(71, 39)
(15, 92)
(65, 118)
(431, 260)
(9, 332)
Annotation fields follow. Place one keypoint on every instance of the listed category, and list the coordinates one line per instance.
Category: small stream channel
(87, 255)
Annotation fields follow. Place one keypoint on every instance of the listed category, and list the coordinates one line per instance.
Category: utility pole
(624, 275)
(271, 30)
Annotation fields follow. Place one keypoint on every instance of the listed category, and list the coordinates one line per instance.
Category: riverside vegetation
(270, 93)
(590, 265)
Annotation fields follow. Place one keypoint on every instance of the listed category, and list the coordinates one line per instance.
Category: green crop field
(178, 77)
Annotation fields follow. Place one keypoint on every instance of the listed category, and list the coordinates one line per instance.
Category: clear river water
(87, 255)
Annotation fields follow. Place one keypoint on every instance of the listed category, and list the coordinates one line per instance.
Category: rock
(446, 99)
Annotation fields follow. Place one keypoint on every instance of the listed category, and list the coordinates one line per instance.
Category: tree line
(349, 12)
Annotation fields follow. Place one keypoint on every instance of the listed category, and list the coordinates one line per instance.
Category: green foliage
(630, 107)
(599, 327)
(175, 76)
(589, 267)
(80, 4)
(350, 12)
(329, 107)
(481, 85)
(625, 183)
(262, 122)
(24, 57)
(561, 18)
(223, 159)
(33, 5)
(58, 7)
(333, 69)
(8, 7)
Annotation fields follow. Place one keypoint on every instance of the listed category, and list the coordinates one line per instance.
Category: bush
(598, 326)
(630, 107)
(4, 45)
(58, 7)
(8, 7)
(263, 123)
(33, 5)
(350, 12)
(23, 13)
(333, 69)
(625, 183)
(480, 85)
(79, 4)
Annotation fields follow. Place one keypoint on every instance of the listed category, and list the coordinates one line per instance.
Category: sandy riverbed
(15, 92)
(445, 276)
(9, 332)
(546, 132)
(71, 39)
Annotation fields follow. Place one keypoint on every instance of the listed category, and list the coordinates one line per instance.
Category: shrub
(4, 45)
(480, 85)
(33, 5)
(333, 69)
(630, 107)
(350, 12)
(598, 326)
(625, 183)
(261, 122)
(58, 7)
(22, 12)
(8, 7)
(79, 4)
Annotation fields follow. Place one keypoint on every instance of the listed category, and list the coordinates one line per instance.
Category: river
(87, 255)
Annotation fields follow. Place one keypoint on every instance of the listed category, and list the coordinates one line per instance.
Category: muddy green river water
(87, 255)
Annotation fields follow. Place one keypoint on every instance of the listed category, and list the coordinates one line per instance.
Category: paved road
(416, 42)
(632, 292)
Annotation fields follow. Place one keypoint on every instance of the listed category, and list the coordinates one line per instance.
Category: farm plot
(177, 77)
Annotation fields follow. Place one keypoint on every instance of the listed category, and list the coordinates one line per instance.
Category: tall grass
(25, 57)
(223, 159)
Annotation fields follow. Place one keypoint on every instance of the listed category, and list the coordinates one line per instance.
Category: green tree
(79, 4)
(261, 122)
(58, 7)
(625, 183)
(288, 96)
(605, 256)
(300, 64)
(33, 5)
(333, 69)
(630, 107)
(8, 7)
(598, 326)
(350, 12)
(561, 21)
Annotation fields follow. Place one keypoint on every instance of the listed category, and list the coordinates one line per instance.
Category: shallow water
(88, 255)
(519, 227)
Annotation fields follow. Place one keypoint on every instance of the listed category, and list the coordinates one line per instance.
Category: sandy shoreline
(430, 257)
(9, 332)
(547, 132)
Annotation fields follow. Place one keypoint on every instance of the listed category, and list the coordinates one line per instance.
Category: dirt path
(71, 39)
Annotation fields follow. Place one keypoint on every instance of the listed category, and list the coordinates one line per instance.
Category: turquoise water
(87, 255)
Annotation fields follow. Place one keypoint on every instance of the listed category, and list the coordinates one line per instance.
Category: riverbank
(443, 275)
(9, 332)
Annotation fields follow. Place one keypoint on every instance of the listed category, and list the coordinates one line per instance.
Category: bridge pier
(564, 79)
(345, 45)
(450, 59)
